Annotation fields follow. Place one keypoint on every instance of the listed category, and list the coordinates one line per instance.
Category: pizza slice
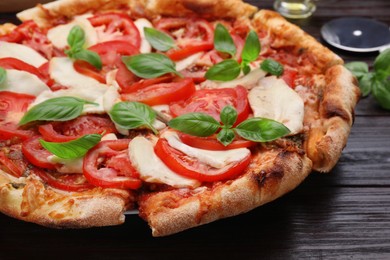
(189, 111)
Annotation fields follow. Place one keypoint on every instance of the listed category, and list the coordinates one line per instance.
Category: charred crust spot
(332, 110)
(17, 185)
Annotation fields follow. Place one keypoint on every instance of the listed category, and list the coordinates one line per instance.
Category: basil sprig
(73, 149)
(131, 115)
(158, 39)
(55, 109)
(377, 81)
(3, 75)
(254, 129)
(150, 65)
(76, 41)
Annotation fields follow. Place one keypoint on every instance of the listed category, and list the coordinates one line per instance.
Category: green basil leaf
(55, 109)
(158, 39)
(89, 56)
(197, 124)
(365, 84)
(150, 65)
(76, 38)
(228, 116)
(3, 75)
(223, 41)
(382, 63)
(261, 129)
(131, 115)
(252, 47)
(358, 68)
(224, 71)
(73, 149)
(226, 136)
(272, 66)
(245, 68)
(381, 92)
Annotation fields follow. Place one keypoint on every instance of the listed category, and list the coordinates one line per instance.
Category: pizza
(185, 111)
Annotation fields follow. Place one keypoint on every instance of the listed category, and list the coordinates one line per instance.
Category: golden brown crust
(271, 174)
(30, 200)
(329, 133)
(6, 28)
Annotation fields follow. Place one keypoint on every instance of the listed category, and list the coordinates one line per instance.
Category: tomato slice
(36, 154)
(12, 107)
(116, 26)
(212, 101)
(108, 165)
(192, 168)
(211, 142)
(87, 69)
(112, 51)
(141, 84)
(76, 128)
(197, 35)
(163, 93)
(67, 182)
(11, 160)
(289, 76)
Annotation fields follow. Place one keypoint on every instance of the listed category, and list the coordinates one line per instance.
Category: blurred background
(17, 5)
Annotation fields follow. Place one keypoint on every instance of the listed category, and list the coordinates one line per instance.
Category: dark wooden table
(344, 214)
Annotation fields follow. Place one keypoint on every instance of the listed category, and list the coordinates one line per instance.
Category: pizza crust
(270, 175)
(28, 199)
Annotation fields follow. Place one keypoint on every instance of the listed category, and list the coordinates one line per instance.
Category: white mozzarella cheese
(141, 24)
(274, 99)
(248, 81)
(23, 82)
(21, 52)
(216, 159)
(151, 168)
(58, 35)
(184, 63)
(62, 71)
(67, 165)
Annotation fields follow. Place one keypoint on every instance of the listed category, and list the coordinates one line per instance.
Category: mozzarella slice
(21, 52)
(151, 168)
(62, 71)
(248, 81)
(23, 82)
(216, 159)
(184, 63)
(67, 165)
(274, 99)
(58, 35)
(141, 24)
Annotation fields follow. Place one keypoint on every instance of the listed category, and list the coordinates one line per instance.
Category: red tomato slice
(117, 27)
(16, 64)
(211, 142)
(163, 93)
(67, 182)
(12, 107)
(197, 36)
(141, 84)
(76, 128)
(11, 161)
(112, 51)
(87, 69)
(36, 154)
(108, 165)
(192, 168)
(212, 101)
(289, 77)
(125, 77)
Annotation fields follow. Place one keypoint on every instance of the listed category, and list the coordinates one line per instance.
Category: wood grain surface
(341, 215)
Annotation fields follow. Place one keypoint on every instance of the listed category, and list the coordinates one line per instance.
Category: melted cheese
(141, 24)
(185, 63)
(58, 35)
(274, 99)
(216, 159)
(151, 168)
(21, 52)
(67, 165)
(23, 82)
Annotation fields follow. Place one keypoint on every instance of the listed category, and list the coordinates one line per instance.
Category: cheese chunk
(274, 99)
(67, 165)
(58, 35)
(216, 159)
(186, 62)
(20, 81)
(21, 52)
(62, 71)
(151, 168)
(141, 23)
